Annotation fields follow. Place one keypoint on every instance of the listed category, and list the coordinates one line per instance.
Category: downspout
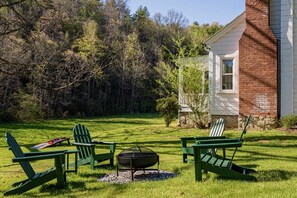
(293, 56)
(293, 50)
(278, 79)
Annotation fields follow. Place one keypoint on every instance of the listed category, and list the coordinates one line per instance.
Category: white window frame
(234, 77)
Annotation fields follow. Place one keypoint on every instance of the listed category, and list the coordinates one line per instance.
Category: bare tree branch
(9, 4)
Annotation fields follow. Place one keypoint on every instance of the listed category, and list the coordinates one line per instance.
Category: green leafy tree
(90, 46)
(199, 34)
(187, 79)
(168, 107)
(194, 90)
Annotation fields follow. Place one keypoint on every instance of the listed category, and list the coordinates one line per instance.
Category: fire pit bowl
(137, 158)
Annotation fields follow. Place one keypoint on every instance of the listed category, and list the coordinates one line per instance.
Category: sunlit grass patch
(272, 154)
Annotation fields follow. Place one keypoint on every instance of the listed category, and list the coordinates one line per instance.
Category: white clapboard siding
(224, 44)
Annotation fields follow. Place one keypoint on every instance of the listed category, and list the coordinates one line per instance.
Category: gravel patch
(125, 176)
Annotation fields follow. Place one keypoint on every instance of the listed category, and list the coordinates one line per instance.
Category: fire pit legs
(133, 168)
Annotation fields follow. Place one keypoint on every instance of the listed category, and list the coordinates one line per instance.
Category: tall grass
(272, 153)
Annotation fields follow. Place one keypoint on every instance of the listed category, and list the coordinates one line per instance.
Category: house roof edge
(217, 36)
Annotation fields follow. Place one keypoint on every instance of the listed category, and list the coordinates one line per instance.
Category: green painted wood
(212, 161)
(86, 146)
(225, 164)
(17, 151)
(35, 179)
(82, 135)
(221, 165)
(215, 133)
(219, 162)
(198, 164)
(205, 157)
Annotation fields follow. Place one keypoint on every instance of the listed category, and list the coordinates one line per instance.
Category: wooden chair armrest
(209, 138)
(186, 138)
(37, 157)
(196, 139)
(217, 145)
(71, 151)
(219, 141)
(201, 138)
(83, 144)
(102, 142)
(43, 153)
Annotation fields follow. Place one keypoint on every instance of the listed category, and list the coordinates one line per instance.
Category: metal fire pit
(136, 158)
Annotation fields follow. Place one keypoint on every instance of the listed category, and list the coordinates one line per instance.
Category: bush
(5, 116)
(288, 121)
(168, 107)
(27, 107)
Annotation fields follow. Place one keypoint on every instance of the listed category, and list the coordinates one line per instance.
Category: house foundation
(185, 119)
(231, 121)
(259, 122)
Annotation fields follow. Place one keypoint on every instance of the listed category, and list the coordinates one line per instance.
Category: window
(227, 74)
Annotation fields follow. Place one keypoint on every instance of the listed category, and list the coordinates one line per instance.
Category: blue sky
(202, 11)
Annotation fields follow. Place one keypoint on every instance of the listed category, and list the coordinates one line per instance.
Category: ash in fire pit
(136, 158)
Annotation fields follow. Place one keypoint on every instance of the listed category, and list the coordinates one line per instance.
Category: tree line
(86, 57)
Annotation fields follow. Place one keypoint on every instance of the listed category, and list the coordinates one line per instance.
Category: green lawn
(272, 153)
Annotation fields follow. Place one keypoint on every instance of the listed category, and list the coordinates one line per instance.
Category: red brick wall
(258, 63)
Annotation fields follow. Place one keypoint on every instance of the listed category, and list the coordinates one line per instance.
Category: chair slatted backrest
(218, 128)
(241, 136)
(17, 151)
(81, 135)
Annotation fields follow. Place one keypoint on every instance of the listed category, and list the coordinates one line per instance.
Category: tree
(199, 34)
(168, 107)
(137, 67)
(86, 57)
(187, 80)
(194, 90)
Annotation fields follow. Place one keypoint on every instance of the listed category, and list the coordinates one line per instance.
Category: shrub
(168, 107)
(288, 120)
(27, 107)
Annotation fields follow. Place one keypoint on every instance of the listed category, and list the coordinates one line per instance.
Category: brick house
(253, 64)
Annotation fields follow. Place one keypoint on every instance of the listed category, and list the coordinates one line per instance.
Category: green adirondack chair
(86, 146)
(215, 133)
(221, 165)
(36, 179)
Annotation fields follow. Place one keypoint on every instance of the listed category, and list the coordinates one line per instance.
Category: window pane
(227, 82)
(227, 66)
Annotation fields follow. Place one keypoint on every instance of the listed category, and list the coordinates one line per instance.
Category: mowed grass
(273, 154)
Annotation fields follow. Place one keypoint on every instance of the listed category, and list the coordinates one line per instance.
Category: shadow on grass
(36, 126)
(275, 175)
(128, 122)
(270, 138)
(53, 189)
(92, 175)
(269, 175)
(152, 143)
(9, 165)
(253, 155)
